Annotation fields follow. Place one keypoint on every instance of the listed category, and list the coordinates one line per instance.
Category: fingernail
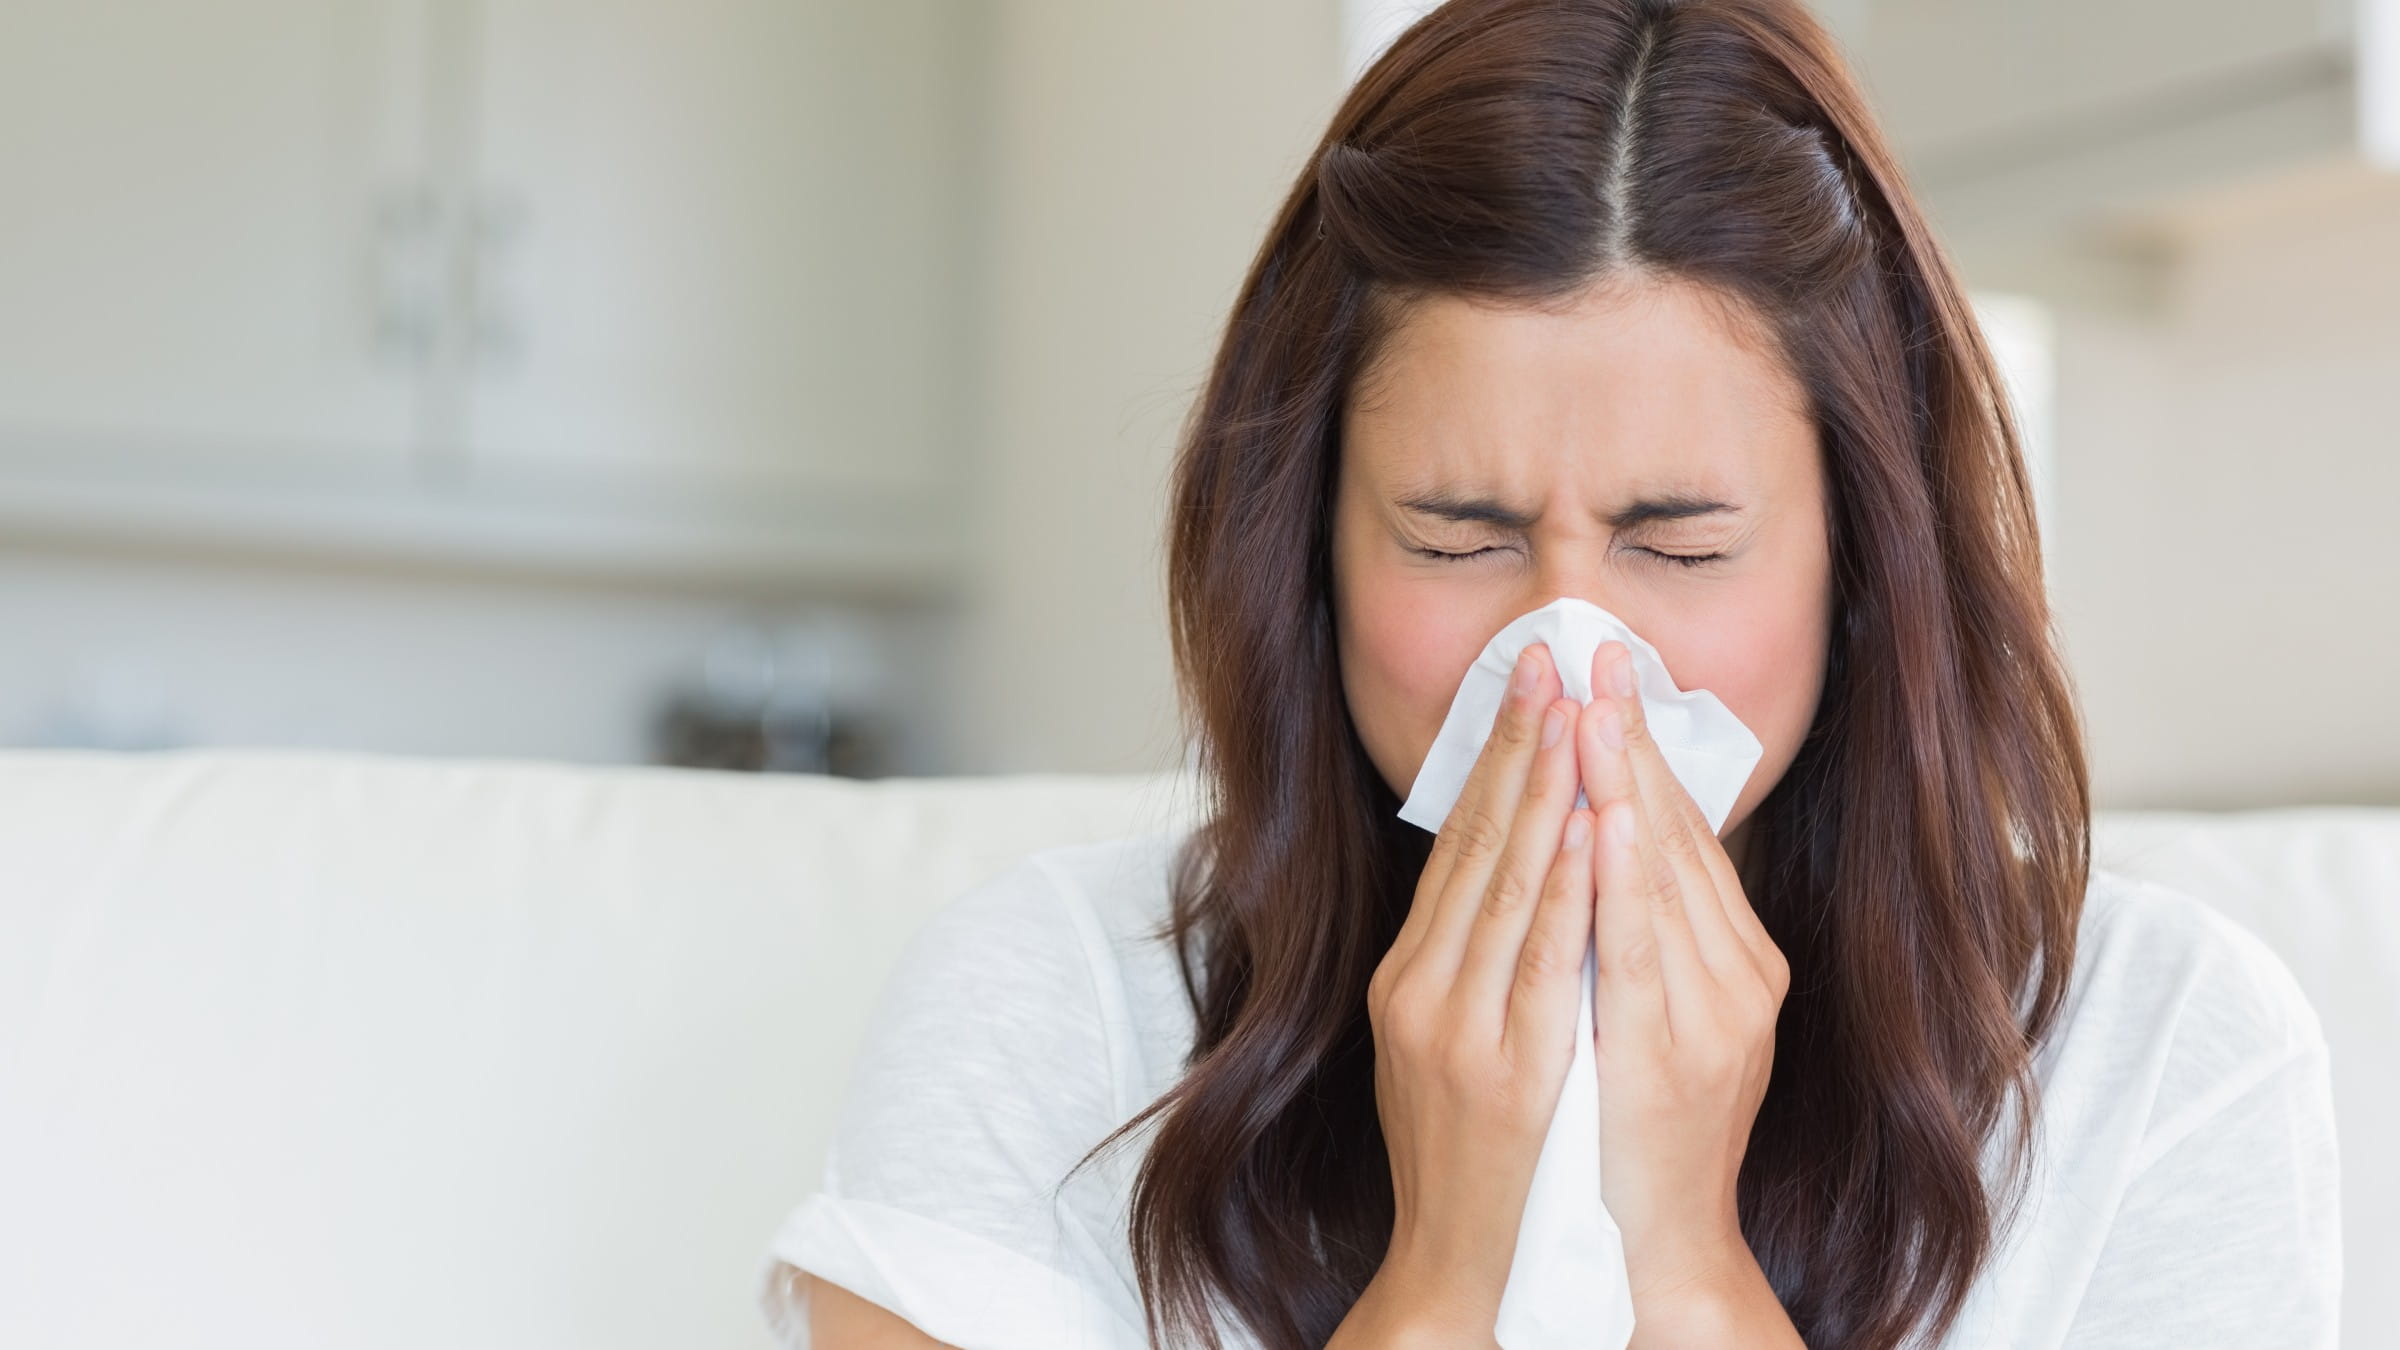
(1612, 734)
(1578, 830)
(1620, 826)
(1621, 673)
(1522, 681)
(1552, 724)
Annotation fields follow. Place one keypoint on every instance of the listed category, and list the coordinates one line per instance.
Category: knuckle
(1779, 973)
(1478, 834)
(1503, 896)
(1379, 988)
(1758, 1011)
(1637, 960)
(1406, 1019)
(1746, 1014)
(1660, 893)
(1676, 842)
(1658, 881)
(1542, 957)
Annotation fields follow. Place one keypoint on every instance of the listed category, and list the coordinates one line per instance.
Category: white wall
(2227, 578)
(138, 651)
(1136, 152)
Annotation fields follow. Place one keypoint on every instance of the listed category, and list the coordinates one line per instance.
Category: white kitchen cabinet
(656, 289)
(189, 236)
(724, 240)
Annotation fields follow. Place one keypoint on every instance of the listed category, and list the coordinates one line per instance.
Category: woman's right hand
(1473, 1011)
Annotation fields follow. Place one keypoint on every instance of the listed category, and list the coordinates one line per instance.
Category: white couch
(317, 1050)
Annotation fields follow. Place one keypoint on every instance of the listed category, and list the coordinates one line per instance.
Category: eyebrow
(1671, 505)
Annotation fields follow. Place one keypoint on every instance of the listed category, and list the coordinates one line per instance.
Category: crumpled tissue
(1567, 1285)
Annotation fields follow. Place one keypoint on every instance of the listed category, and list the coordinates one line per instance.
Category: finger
(1689, 987)
(1680, 831)
(1733, 899)
(1629, 1000)
(1469, 843)
(1548, 972)
(1497, 927)
(1444, 853)
(1442, 858)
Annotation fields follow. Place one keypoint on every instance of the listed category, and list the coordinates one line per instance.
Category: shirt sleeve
(983, 1077)
(2229, 1233)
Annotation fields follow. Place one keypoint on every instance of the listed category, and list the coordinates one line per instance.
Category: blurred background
(791, 384)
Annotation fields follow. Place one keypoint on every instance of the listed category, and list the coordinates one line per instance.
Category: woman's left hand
(1688, 990)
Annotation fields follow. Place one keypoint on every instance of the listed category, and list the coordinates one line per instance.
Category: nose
(1566, 580)
(1611, 600)
(1575, 568)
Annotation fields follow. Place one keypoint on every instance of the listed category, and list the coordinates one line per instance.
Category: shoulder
(1036, 981)
(1117, 896)
(1006, 1042)
(2174, 1014)
(2159, 961)
(2185, 1185)
(2190, 1184)
(1043, 924)
(2165, 940)
(1113, 887)
(1119, 886)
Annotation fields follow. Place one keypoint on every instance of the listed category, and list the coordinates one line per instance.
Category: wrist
(1718, 1300)
(1400, 1310)
(1665, 1266)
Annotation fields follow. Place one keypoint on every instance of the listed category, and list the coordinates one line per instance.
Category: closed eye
(1679, 559)
(1684, 559)
(1450, 557)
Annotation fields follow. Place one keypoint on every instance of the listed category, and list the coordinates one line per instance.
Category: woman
(1625, 300)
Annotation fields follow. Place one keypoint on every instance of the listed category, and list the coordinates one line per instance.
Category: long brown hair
(1921, 863)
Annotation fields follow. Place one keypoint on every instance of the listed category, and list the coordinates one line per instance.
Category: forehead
(1654, 383)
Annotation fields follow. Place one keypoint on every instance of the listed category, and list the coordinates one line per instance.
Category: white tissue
(1567, 1286)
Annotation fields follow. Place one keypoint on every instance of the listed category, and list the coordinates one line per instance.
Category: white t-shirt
(2185, 1194)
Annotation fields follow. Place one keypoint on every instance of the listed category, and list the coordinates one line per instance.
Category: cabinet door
(190, 275)
(720, 249)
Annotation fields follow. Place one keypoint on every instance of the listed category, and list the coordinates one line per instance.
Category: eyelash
(1678, 559)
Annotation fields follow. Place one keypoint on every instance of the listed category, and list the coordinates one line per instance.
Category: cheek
(1762, 653)
(1401, 654)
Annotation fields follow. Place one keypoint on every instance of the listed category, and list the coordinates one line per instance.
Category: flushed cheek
(1404, 657)
(1761, 660)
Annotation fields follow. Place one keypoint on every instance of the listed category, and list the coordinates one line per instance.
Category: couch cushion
(308, 1050)
(303, 1049)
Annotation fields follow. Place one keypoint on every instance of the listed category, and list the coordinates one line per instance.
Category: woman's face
(1524, 438)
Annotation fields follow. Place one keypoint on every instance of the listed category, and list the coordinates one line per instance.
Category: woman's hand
(1688, 991)
(1473, 1011)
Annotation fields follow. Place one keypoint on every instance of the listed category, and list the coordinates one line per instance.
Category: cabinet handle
(402, 268)
(496, 224)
